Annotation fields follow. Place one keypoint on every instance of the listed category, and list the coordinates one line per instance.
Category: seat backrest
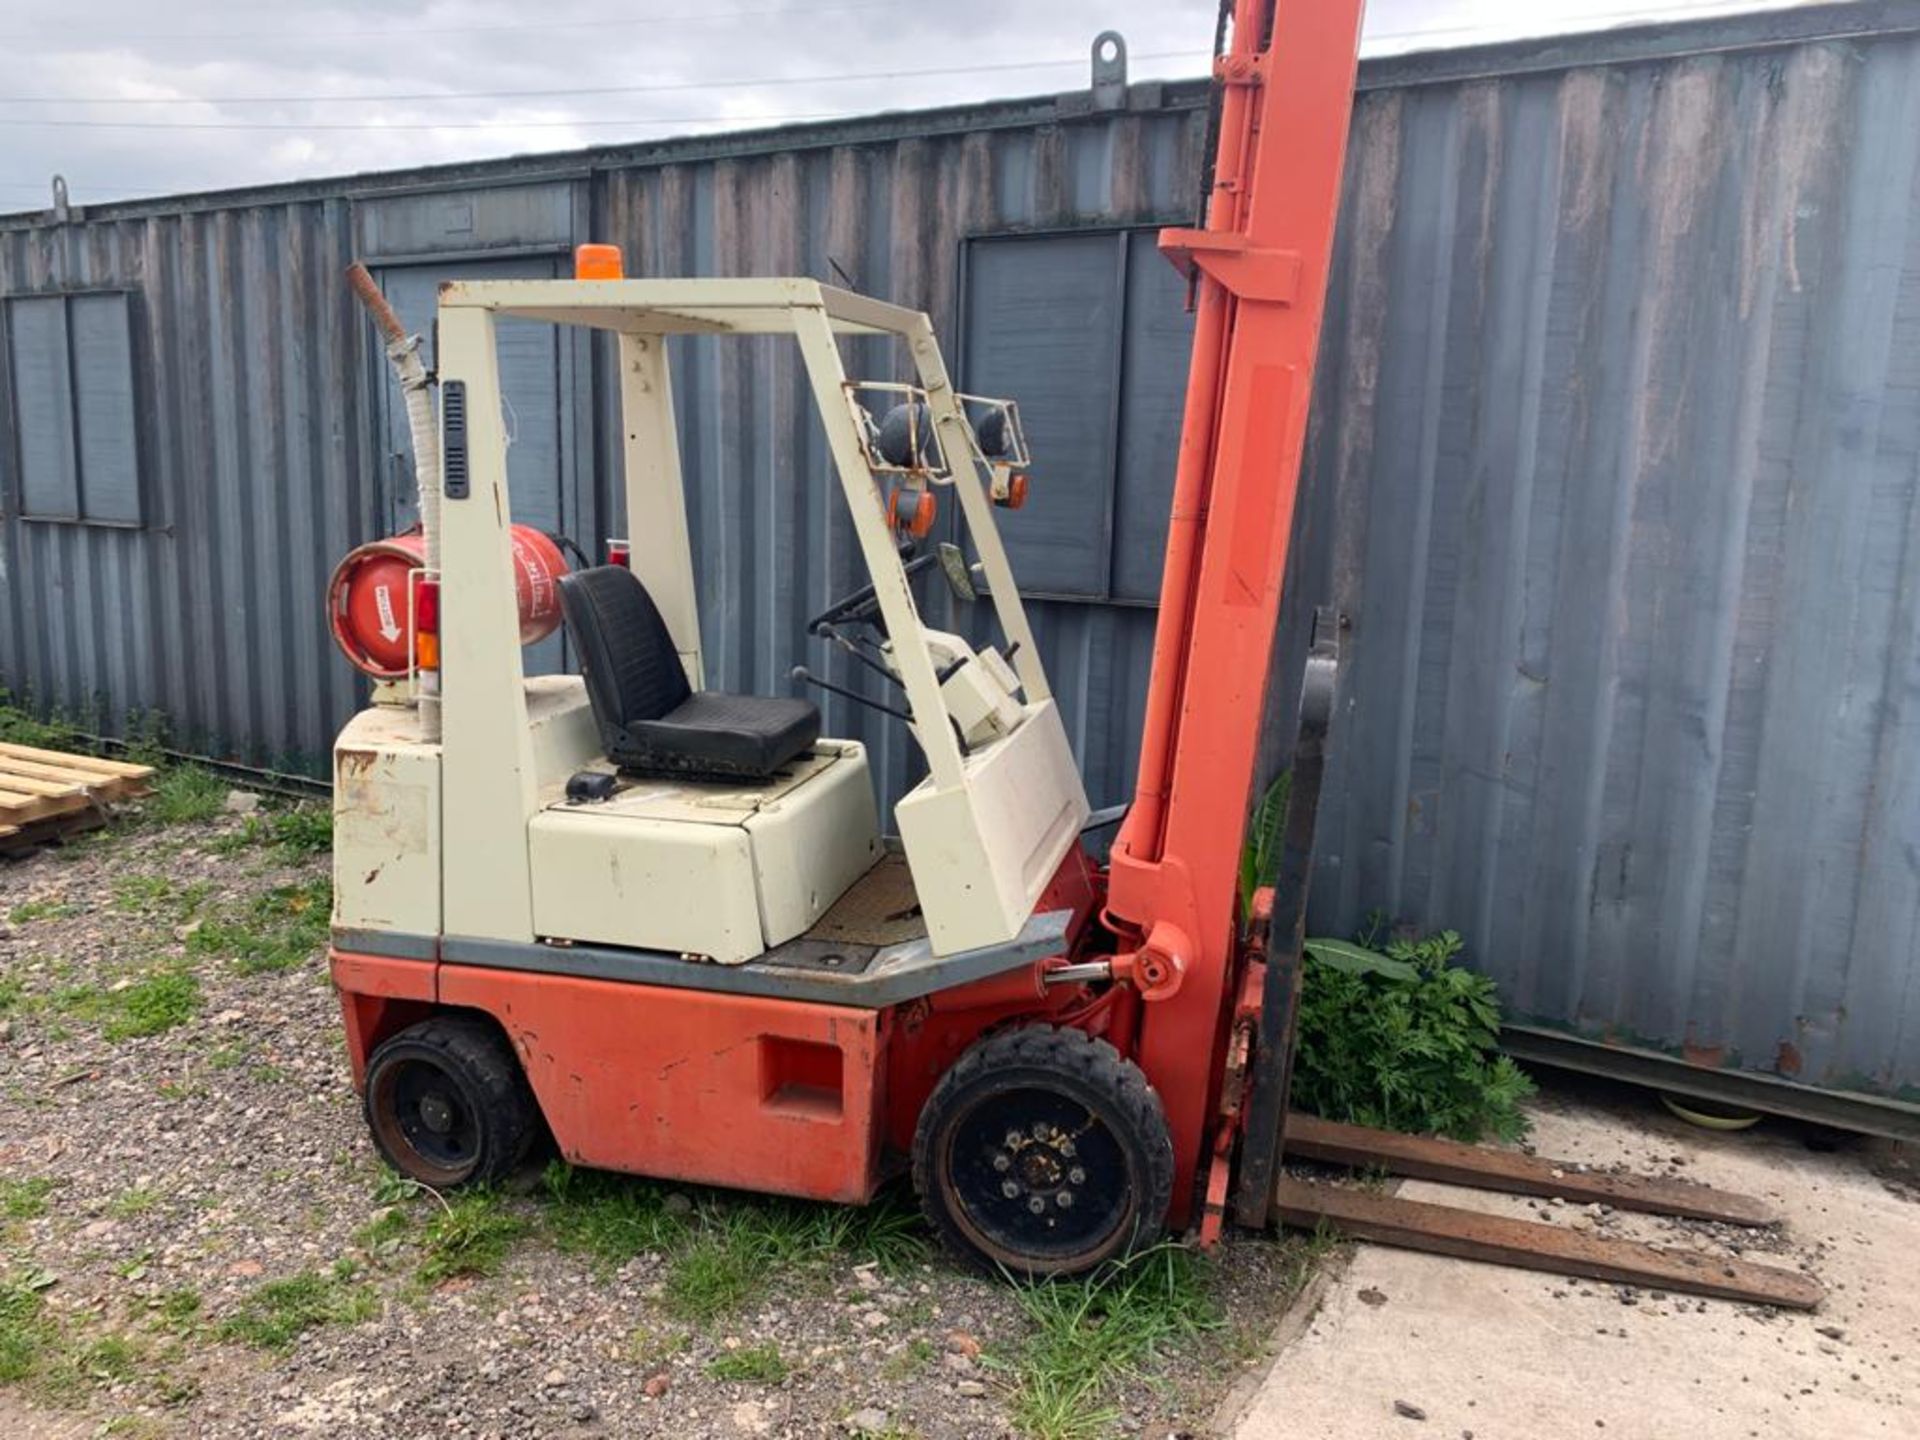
(633, 672)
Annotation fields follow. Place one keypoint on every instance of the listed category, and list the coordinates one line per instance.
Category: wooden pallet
(46, 795)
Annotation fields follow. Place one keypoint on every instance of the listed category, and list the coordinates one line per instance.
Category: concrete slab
(1497, 1354)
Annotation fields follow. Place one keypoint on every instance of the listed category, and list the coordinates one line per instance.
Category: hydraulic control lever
(804, 676)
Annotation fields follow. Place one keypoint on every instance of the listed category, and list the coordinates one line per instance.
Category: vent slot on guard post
(800, 1077)
(453, 440)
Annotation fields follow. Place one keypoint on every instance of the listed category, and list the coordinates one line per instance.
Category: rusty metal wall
(1613, 474)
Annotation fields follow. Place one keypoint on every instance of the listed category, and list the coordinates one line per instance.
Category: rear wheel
(1044, 1152)
(447, 1102)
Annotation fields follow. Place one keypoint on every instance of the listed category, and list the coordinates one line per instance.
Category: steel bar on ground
(1469, 1235)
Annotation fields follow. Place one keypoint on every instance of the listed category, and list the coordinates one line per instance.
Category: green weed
(1088, 1335)
(275, 931)
(751, 1364)
(471, 1236)
(25, 1199)
(1400, 1038)
(277, 1313)
(185, 795)
(12, 992)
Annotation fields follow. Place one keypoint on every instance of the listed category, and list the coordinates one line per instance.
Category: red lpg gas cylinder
(367, 597)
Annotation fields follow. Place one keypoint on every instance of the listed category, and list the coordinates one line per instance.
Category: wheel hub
(1039, 1175)
(436, 1113)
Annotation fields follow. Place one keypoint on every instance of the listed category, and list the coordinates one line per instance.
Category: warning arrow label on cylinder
(383, 601)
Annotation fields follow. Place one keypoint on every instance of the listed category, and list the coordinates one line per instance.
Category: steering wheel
(864, 604)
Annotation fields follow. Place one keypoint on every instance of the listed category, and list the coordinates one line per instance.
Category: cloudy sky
(130, 97)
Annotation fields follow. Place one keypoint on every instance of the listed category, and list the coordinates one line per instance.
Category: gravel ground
(196, 1238)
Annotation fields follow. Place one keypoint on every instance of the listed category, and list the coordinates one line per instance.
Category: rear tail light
(426, 622)
(620, 552)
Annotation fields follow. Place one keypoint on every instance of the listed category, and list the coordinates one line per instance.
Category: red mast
(1260, 270)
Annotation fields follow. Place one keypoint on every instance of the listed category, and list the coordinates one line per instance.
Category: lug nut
(1077, 1176)
(1064, 1199)
(1010, 1188)
(1014, 1137)
(1066, 1146)
(1036, 1205)
(1002, 1162)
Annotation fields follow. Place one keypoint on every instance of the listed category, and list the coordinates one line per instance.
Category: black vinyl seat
(650, 719)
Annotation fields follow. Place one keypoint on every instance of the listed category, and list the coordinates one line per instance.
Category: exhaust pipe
(403, 351)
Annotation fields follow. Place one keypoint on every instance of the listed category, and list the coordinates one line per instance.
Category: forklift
(667, 927)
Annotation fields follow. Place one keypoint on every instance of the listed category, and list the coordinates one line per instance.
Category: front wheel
(447, 1102)
(1044, 1152)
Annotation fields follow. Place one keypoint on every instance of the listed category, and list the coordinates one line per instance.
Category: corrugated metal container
(1620, 451)
(1614, 476)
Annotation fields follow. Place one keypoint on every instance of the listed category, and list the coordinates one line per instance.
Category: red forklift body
(767, 1077)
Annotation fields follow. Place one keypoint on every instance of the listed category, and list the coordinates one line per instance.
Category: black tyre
(448, 1104)
(1043, 1152)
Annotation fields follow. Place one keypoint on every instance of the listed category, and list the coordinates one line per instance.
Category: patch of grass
(29, 911)
(610, 1217)
(1400, 1038)
(272, 932)
(136, 1200)
(179, 1311)
(301, 830)
(12, 991)
(471, 1236)
(293, 833)
(25, 1199)
(751, 1364)
(185, 795)
(918, 1355)
(722, 1251)
(1088, 1336)
(75, 1369)
(19, 726)
(26, 1332)
(35, 1352)
(135, 893)
(386, 1232)
(715, 1275)
(648, 1348)
(149, 1006)
(280, 1311)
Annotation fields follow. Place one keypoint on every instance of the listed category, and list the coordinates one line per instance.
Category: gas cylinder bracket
(1260, 273)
